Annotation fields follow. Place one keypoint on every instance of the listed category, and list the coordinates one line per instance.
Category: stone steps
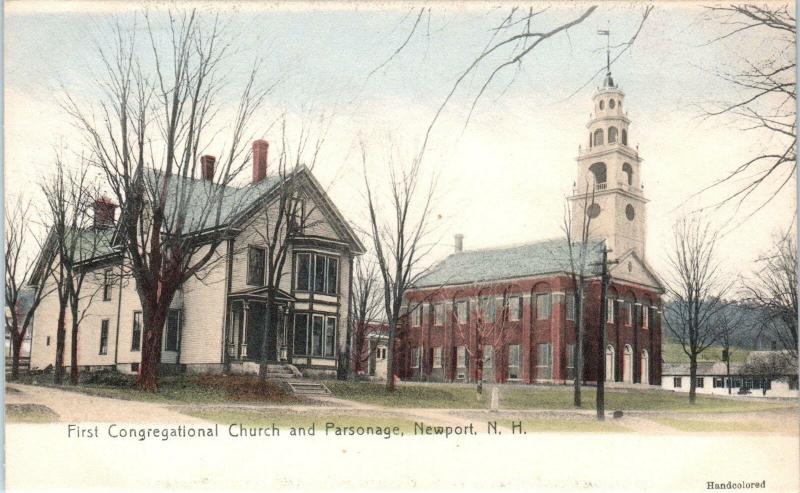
(308, 388)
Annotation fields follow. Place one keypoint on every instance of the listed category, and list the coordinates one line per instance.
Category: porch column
(243, 342)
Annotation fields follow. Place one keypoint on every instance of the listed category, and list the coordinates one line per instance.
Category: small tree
(19, 270)
(697, 286)
(769, 367)
(367, 310)
(398, 238)
(729, 322)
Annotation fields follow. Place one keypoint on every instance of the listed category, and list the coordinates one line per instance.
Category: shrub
(246, 387)
(107, 378)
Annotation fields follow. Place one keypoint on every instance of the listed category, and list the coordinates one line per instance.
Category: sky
(503, 177)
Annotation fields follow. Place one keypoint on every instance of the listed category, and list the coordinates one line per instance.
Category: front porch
(253, 334)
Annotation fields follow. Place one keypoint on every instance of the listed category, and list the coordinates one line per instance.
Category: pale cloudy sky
(503, 179)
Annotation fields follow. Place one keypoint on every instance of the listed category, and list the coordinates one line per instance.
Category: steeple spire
(608, 81)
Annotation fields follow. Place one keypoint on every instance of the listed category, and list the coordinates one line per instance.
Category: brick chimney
(459, 241)
(104, 210)
(207, 167)
(260, 150)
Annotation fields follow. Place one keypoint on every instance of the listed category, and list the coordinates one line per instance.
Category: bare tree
(769, 367)
(398, 238)
(730, 324)
(773, 292)
(766, 93)
(286, 214)
(487, 326)
(157, 113)
(70, 197)
(697, 287)
(20, 269)
(577, 225)
(366, 312)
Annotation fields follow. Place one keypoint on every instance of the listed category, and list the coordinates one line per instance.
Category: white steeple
(608, 188)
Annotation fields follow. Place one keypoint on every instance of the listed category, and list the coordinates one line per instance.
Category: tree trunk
(73, 350)
(728, 373)
(390, 360)
(692, 378)
(579, 347)
(16, 350)
(147, 379)
(61, 336)
(262, 367)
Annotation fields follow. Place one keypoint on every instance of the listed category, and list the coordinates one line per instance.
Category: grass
(672, 352)
(443, 396)
(285, 420)
(188, 389)
(30, 413)
(700, 425)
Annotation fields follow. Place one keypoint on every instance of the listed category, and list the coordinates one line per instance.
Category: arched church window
(624, 137)
(611, 104)
(612, 135)
(628, 170)
(590, 139)
(599, 172)
(598, 137)
(602, 104)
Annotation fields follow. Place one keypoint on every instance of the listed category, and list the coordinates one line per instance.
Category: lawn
(672, 352)
(30, 413)
(443, 396)
(284, 420)
(210, 389)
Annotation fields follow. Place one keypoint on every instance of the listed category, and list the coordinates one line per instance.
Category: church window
(624, 135)
(612, 135)
(598, 137)
(593, 211)
(628, 170)
(629, 212)
(602, 104)
(599, 172)
(611, 104)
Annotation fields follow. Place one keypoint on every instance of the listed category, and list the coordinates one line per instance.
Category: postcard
(483, 246)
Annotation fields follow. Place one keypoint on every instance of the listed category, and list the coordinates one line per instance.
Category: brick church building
(512, 307)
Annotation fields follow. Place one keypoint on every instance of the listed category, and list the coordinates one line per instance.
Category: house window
(416, 316)
(610, 310)
(719, 383)
(544, 361)
(296, 215)
(48, 341)
(107, 286)
(136, 336)
(543, 306)
(437, 357)
(438, 314)
(416, 357)
(489, 309)
(628, 313)
(571, 361)
(461, 311)
(303, 272)
(488, 356)
(699, 382)
(317, 273)
(320, 267)
(515, 308)
(301, 334)
(330, 337)
(317, 329)
(676, 382)
(255, 266)
(645, 316)
(514, 359)
(333, 275)
(104, 337)
(570, 301)
(461, 357)
(173, 327)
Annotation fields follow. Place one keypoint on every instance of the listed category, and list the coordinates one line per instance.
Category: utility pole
(605, 278)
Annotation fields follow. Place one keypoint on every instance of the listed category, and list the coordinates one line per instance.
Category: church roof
(494, 264)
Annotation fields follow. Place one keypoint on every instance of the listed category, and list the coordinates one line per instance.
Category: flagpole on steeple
(607, 33)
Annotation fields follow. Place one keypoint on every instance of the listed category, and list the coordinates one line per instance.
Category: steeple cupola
(609, 187)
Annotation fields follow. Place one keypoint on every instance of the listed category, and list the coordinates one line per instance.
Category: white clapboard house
(217, 320)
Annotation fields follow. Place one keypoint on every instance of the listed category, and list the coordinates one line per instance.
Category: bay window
(314, 335)
(317, 273)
